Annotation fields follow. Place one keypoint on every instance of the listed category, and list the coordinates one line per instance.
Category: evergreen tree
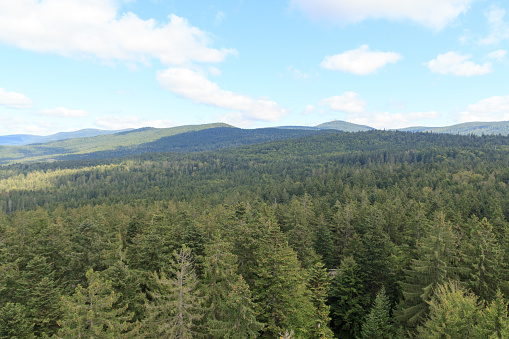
(318, 285)
(348, 299)
(453, 313)
(280, 289)
(437, 261)
(485, 260)
(14, 322)
(493, 322)
(176, 308)
(90, 312)
(229, 308)
(43, 296)
(377, 323)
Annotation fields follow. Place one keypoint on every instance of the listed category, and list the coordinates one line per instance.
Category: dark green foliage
(318, 285)
(438, 261)
(378, 322)
(14, 323)
(348, 299)
(229, 309)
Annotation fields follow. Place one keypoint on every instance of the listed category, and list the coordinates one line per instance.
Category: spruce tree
(453, 313)
(485, 260)
(318, 285)
(438, 260)
(229, 308)
(90, 312)
(280, 287)
(348, 299)
(176, 307)
(14, 322)
(377, 323)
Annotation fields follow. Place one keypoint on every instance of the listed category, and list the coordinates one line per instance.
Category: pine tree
(90, 312)
(377, 323)
(318, 285)
(176, 308)
(229, 308)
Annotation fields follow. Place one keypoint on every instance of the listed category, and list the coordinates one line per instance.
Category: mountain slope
(199, 141)
(54, 149)
(26, 139)
(344, 126)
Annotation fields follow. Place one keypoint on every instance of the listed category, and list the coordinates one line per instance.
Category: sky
(66, 65)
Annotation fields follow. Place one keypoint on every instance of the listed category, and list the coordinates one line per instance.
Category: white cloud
(96, 28)
(389, 120)
(220, 17)
(14, 100)
(192, 85)
(435, 14)
(309, 109)
(124, 122)
(349, 102)
(457, 64)
(499, 28)
(360, 61)
(497, 55)
(491, 109)
(64, 112)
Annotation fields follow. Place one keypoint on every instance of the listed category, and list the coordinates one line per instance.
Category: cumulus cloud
(192, 85)
(435, 14)
(96, 28)
(360, 61)
(457, 64)
(389, 120)
(499, 28)
(64, 112)
(14, 100)
(349, 102)
(125, 122)
(491, 109)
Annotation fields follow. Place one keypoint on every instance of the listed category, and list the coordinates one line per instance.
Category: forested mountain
(343, 126)
(26, 139)
(373, 234)
(121, 140)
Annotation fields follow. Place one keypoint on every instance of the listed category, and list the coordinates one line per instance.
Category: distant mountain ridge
(95, 144)
(27, 139)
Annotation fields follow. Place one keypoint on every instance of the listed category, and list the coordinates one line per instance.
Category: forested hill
(199, 141)
(51, 150)
(377, 234)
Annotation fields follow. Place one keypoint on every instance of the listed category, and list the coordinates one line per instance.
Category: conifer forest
(376, 234)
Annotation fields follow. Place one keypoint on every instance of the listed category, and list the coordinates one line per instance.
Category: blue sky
(112, 64)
